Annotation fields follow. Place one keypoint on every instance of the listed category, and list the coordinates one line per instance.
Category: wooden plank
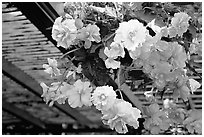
(26, 81)
(22, 114)
(45, 20)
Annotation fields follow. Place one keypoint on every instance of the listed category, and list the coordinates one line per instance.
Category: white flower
(88, 34)
(169, 103)
(196, 46)
(64, 32)
(120, 114)
(103, 97)
(45, 88)
(194, 85)
(116, 50)
(80, 95)
(132, 33)
(166, 103)
(111, 63)
(179, 55)
(180, 22)
(51, 67)
(57, 92)
(71, 72)
(149, 94)
(135, 53)
(128, 113)
(79, 69)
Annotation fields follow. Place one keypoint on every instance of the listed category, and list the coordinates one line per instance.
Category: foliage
(109, 40)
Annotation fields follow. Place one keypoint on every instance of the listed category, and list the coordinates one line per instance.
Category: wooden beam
(55, 129)
(28, 82)
(42, 15)
(22, 114)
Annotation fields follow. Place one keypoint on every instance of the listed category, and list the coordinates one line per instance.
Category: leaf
(145, 17)
(122, 76)
(192, 30)
(80, 54)
(94, 47)
(101, 54)
(134, 99)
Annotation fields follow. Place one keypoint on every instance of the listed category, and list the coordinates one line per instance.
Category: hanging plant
(147, 42)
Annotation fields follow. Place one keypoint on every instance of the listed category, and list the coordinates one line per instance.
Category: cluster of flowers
(163, 61)
(116, 112)
(135, 37)
(68, 31)
(160, 119)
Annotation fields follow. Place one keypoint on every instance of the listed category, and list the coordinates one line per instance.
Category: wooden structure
(26, 45)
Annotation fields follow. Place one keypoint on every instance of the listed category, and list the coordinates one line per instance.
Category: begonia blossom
(194, 85)
(56, 92)
(88, 34)
(120, 114)
(51, 67)
(180, 22)
(103, 97)
(131, 33)
(64, 32)
(80, 94)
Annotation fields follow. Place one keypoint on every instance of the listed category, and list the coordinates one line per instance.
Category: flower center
(60, 35)
(102, 97)
(132, 34)
(87, 33)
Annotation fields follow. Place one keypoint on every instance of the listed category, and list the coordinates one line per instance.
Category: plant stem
(68, 53)
(118, 82)
(109, 37)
